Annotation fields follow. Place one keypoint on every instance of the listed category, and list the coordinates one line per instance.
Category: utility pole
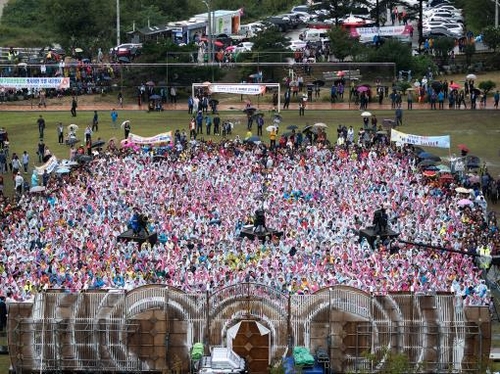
(117, 22)
(209, 32)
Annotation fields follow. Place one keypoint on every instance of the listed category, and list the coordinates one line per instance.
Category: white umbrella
(37, 189)
(124, 123)
(271, 128)
(320, 124)
(416, 84)
(72, 127)
(471, 76)
(462, 190)
(366, 114)
(62, 171)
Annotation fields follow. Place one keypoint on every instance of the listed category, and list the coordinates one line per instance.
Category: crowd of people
(199, 197)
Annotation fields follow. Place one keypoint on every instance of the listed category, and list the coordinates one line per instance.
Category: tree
(392, 51)
(442, 48)
(480, 13)
(469, 50)
(341, 43)
(491, 37)
(487, 86)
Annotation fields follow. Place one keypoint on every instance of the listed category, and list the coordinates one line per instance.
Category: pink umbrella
(362, 89)
(464, 202)
(340, 73)
(231, 48)
(454, 86)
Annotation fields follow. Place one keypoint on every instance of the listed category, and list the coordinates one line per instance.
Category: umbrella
(72, 141)
(98, 143)
(72, 127)
(429, 173)
(218, 44)
(123, 59)
(443, 168)
(78, 50)
(68, 163)
(362, 89)
(428, 156)
(37, 189)
(463, 147)
(214, 102)
(366, 114)
(155, 97)
(278, 116)
(271, 128)
(310, 128)
(474, 178)
(258, 114)
(425, 163)
(382, 132)
(464, 202)
(454, 86)
(436, 85)
(292, 127)
(446, 178)
(124, 123)
(319, 83)
(320, 124)
(431, 168)
(462, 190)
(62, 171)
(473, 162)
(416, 84)
(22, 64)
(253, 139)
(83, 158)
(471, 76)
(250, 109)
(150, 83)
(477, 91)
(340, 73)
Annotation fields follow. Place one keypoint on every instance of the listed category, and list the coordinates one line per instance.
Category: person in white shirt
(19, 181)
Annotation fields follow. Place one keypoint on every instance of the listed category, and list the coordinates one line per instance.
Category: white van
(251, 29)
(315, 35)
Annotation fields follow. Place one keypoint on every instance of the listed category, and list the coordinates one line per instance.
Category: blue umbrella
(428, 156)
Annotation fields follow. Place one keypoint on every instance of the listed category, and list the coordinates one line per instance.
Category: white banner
(35, 82)
(424, 141)
(50, 166)
(240, 89)
(165, 137)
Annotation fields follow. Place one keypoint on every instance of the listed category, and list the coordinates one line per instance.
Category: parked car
(243, 47)
(297, 44)
(440, 32)
(126, 50)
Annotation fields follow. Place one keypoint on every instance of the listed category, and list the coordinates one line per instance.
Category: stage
(248, 232)
(128, 236)
(370, 234)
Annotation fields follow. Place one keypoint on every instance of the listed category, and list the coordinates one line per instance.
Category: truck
(222, 360)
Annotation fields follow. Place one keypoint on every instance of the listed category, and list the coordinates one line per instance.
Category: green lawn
(479, 129)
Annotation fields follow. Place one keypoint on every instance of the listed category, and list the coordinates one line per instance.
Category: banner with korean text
(50, 166)
(424, 141)
(165, 137)
(34, 82)
(240, 89)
